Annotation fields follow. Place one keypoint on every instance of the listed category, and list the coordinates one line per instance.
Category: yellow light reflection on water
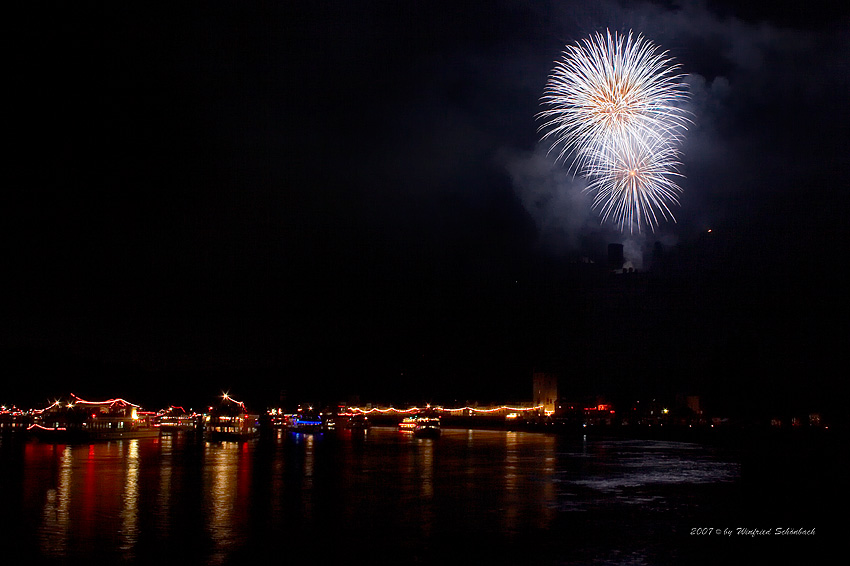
(221, 480)
(53, 533)
(511, 501)
(129, 533)
(165, 480)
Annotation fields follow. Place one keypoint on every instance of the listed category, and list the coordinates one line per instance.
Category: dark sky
(350, 198)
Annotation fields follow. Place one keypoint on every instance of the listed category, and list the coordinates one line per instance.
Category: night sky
(349, 198)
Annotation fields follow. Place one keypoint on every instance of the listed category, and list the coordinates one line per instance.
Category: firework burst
(614, 106)
(634, 184)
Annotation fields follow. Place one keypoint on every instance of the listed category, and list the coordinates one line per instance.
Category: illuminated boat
(277, 418)
(421, 426)
(307, 420)
(344, 419)
(427, 427)
(78, 420)
(408, 424)
(304, 423)
(229, 420)
(358, 422)
(14, 420)
(176, 419)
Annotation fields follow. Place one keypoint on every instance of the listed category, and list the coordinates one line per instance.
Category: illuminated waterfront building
(545, 390)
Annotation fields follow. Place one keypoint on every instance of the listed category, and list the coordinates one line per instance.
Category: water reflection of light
(549, 495)
(90, 491)
(277, 489)
(55, 523)
(129, 533)
(426, 472)
(165, 470)
(510, 460)
(307, 480)
(426, 469)
(511, 505)
(471, 468)
(222, 497)
(309, 459)
(635, 466)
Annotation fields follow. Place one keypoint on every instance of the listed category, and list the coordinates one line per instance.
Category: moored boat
(427, 427)
(344, 419)
(408, 424)
(176, 419)
(14, 420)
(423, 426)
(308, 420)
(229, 420)
(78, 420)
(303, 423)
(358, 422)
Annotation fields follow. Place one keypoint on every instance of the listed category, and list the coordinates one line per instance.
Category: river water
(374, 497)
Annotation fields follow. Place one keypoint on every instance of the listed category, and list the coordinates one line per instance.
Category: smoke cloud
(553, 197)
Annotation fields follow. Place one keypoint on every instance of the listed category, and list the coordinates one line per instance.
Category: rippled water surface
(377, 496)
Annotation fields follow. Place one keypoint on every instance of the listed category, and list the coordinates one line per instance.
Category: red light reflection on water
(89, 492)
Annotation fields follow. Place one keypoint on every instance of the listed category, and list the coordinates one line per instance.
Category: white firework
(614, 101)
(634, 184)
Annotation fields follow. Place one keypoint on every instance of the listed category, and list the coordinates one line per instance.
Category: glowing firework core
(614, 112)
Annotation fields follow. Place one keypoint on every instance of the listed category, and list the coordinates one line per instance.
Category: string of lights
(472, 410)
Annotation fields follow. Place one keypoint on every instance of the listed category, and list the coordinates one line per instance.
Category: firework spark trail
(613, 106)
(635, 183)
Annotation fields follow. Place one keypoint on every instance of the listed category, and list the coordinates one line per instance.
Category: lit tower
(545, 390)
